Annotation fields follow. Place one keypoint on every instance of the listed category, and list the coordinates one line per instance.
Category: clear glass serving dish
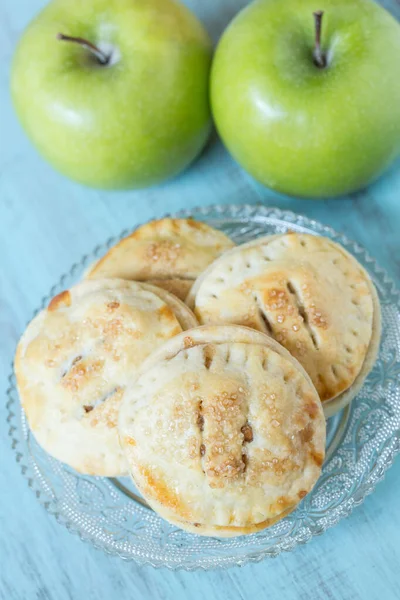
(362, 443)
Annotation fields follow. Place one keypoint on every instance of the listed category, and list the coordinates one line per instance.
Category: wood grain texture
(46, 223)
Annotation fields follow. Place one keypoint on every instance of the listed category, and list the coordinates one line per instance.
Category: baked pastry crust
(223, 431)
(169, 253)
(75, 359)
(310, 295)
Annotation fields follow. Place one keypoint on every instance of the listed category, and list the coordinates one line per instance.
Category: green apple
(114, 93)
(310, 108)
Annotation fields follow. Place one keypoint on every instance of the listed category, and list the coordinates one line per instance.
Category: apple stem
(101, 56)
(319, 56)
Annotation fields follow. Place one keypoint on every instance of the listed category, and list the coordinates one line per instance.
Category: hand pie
(307, 293)
(75, 359)
(223, 431)
(169, 253)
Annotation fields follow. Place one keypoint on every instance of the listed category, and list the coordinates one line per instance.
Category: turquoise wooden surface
(46, 223)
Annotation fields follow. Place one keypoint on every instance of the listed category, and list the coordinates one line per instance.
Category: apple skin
(133, 123)
(299, 129)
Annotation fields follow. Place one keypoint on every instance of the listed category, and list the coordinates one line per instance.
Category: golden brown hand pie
(223, 431)
(310, 295)
(169, 253)
(75, 359)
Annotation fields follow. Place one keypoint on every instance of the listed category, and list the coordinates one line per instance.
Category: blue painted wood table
(47, 223)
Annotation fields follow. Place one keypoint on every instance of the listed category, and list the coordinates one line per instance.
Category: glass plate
(362, 441)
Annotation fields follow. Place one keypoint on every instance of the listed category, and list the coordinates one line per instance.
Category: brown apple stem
(101, 57)
(319, 56)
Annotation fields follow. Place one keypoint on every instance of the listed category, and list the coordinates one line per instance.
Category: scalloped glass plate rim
(213, 214)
